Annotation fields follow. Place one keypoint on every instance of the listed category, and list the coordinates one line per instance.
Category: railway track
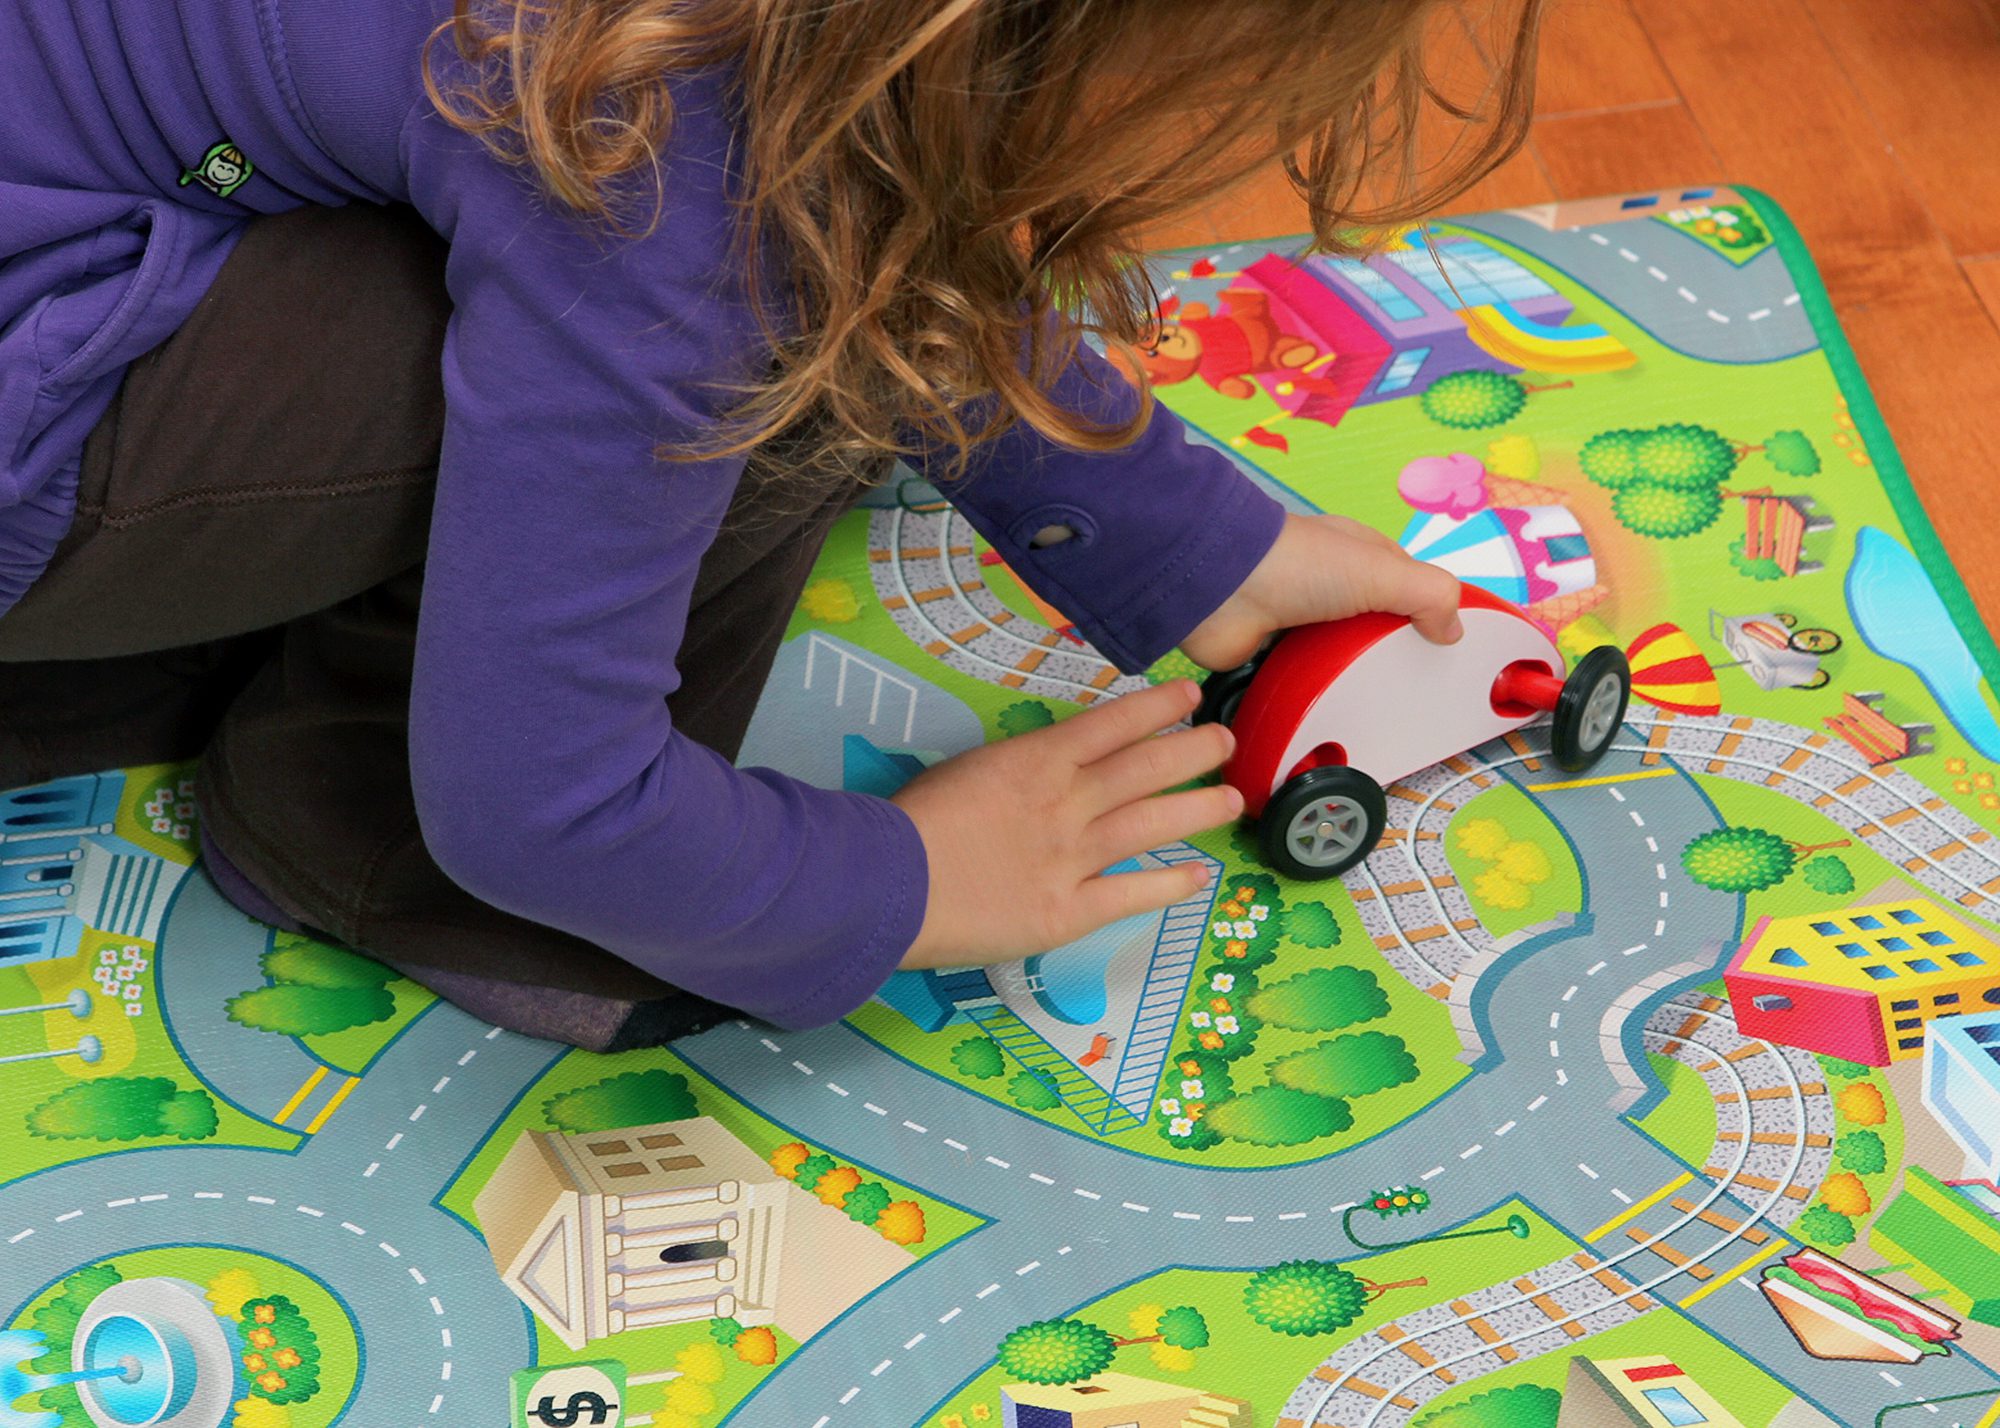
(1383, 1378)
(926, 572)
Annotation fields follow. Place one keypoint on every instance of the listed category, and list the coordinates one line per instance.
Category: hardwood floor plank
(1984, 275)
(1811, 145)
(1929, 74)
(1594, 55)
(1625, 149)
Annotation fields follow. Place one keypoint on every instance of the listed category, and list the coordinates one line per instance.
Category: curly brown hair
(957, 183)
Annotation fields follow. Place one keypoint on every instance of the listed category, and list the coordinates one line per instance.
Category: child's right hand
(1019, 833)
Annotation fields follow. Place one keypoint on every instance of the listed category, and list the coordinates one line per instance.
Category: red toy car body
(1333, 712)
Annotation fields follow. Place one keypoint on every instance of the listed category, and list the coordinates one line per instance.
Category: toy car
(1330, 713)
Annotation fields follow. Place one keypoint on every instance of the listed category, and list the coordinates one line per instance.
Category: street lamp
(77, 1004)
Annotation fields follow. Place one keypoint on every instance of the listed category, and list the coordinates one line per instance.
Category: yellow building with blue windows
(1862, 982)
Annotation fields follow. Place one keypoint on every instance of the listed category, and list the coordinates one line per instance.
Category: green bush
(978, 1057)
(1358, 1064)
(1824, 1225)
(635, 1098)
(1278, 1115)
(1863, 1152)
(124, 1108)
(1322, 999)
(293, 1009)
(316, 964)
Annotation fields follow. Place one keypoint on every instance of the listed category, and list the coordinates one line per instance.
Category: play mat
(1666, 1094)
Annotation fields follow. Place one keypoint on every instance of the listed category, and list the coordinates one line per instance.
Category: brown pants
(242, 584)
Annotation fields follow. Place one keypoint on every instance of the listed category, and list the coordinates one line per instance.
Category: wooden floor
(1875, 123)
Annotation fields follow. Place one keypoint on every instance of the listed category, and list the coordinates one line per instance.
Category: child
(427, 415)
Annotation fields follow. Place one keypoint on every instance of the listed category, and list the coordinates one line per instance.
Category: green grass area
(1749, 1393)
(1684, 1120)
(142, 784)
(1511, 889)
(1244, 1359)
(249, 1276)
(1423, 1024)
(133, 1047)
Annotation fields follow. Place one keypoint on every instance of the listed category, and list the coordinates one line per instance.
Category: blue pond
(1900, 615)
(1072, 977)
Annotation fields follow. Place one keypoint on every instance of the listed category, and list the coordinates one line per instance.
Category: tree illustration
(1666, 512)
(1738, 860)
(1846, 1070)
(1055, 1351)
(977, 1057)
(635, 1098)
(1183, 1328)
(124, 1108)
(1358, 1064)
(1312, 924)
(1320, 999)
(1278, 1115)
(1033, 1091)
(1824, 1226)
(1311, 1296)
(1828, 875)
(1863, 1152)
(787, 1159)
(1024, 717)
(866, 1202)
(1470, 400)
(757, 1346)
(294, 1009)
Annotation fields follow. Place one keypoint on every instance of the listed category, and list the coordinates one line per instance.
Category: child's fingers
(1111, 896)
(1152, 765)
(1427, 594)
(1164, 818)
(1104, 728)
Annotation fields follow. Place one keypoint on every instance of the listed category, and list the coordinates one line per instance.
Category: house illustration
(1118, 1400)
(650, 1225)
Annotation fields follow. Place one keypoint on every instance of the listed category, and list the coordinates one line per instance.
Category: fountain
(148, 1353)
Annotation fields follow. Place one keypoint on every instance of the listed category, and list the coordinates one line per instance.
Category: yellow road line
(1777, 1243)
(332, 1104)
(1638, 1208)
(1602, 778)
(1992, 1416)
(299, 1097)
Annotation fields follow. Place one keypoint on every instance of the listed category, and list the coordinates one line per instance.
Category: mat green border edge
(1874, 431)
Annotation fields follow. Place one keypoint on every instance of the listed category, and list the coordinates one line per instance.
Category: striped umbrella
(1670, 672)
(1479, 550)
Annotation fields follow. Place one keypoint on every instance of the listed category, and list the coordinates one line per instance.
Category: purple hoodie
(137, 136)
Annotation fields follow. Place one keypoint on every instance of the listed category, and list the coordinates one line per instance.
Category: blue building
(1962, 1085)
(61, 870)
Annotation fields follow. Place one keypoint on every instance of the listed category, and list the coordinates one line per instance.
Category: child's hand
(1325, 568)
(1019, 833)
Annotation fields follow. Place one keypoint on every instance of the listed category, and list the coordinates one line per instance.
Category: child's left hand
(1325, 568)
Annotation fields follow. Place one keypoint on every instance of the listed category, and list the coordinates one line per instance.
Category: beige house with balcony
(666, 1224)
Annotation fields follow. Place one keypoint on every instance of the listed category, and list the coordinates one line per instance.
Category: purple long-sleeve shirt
(548, 776)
